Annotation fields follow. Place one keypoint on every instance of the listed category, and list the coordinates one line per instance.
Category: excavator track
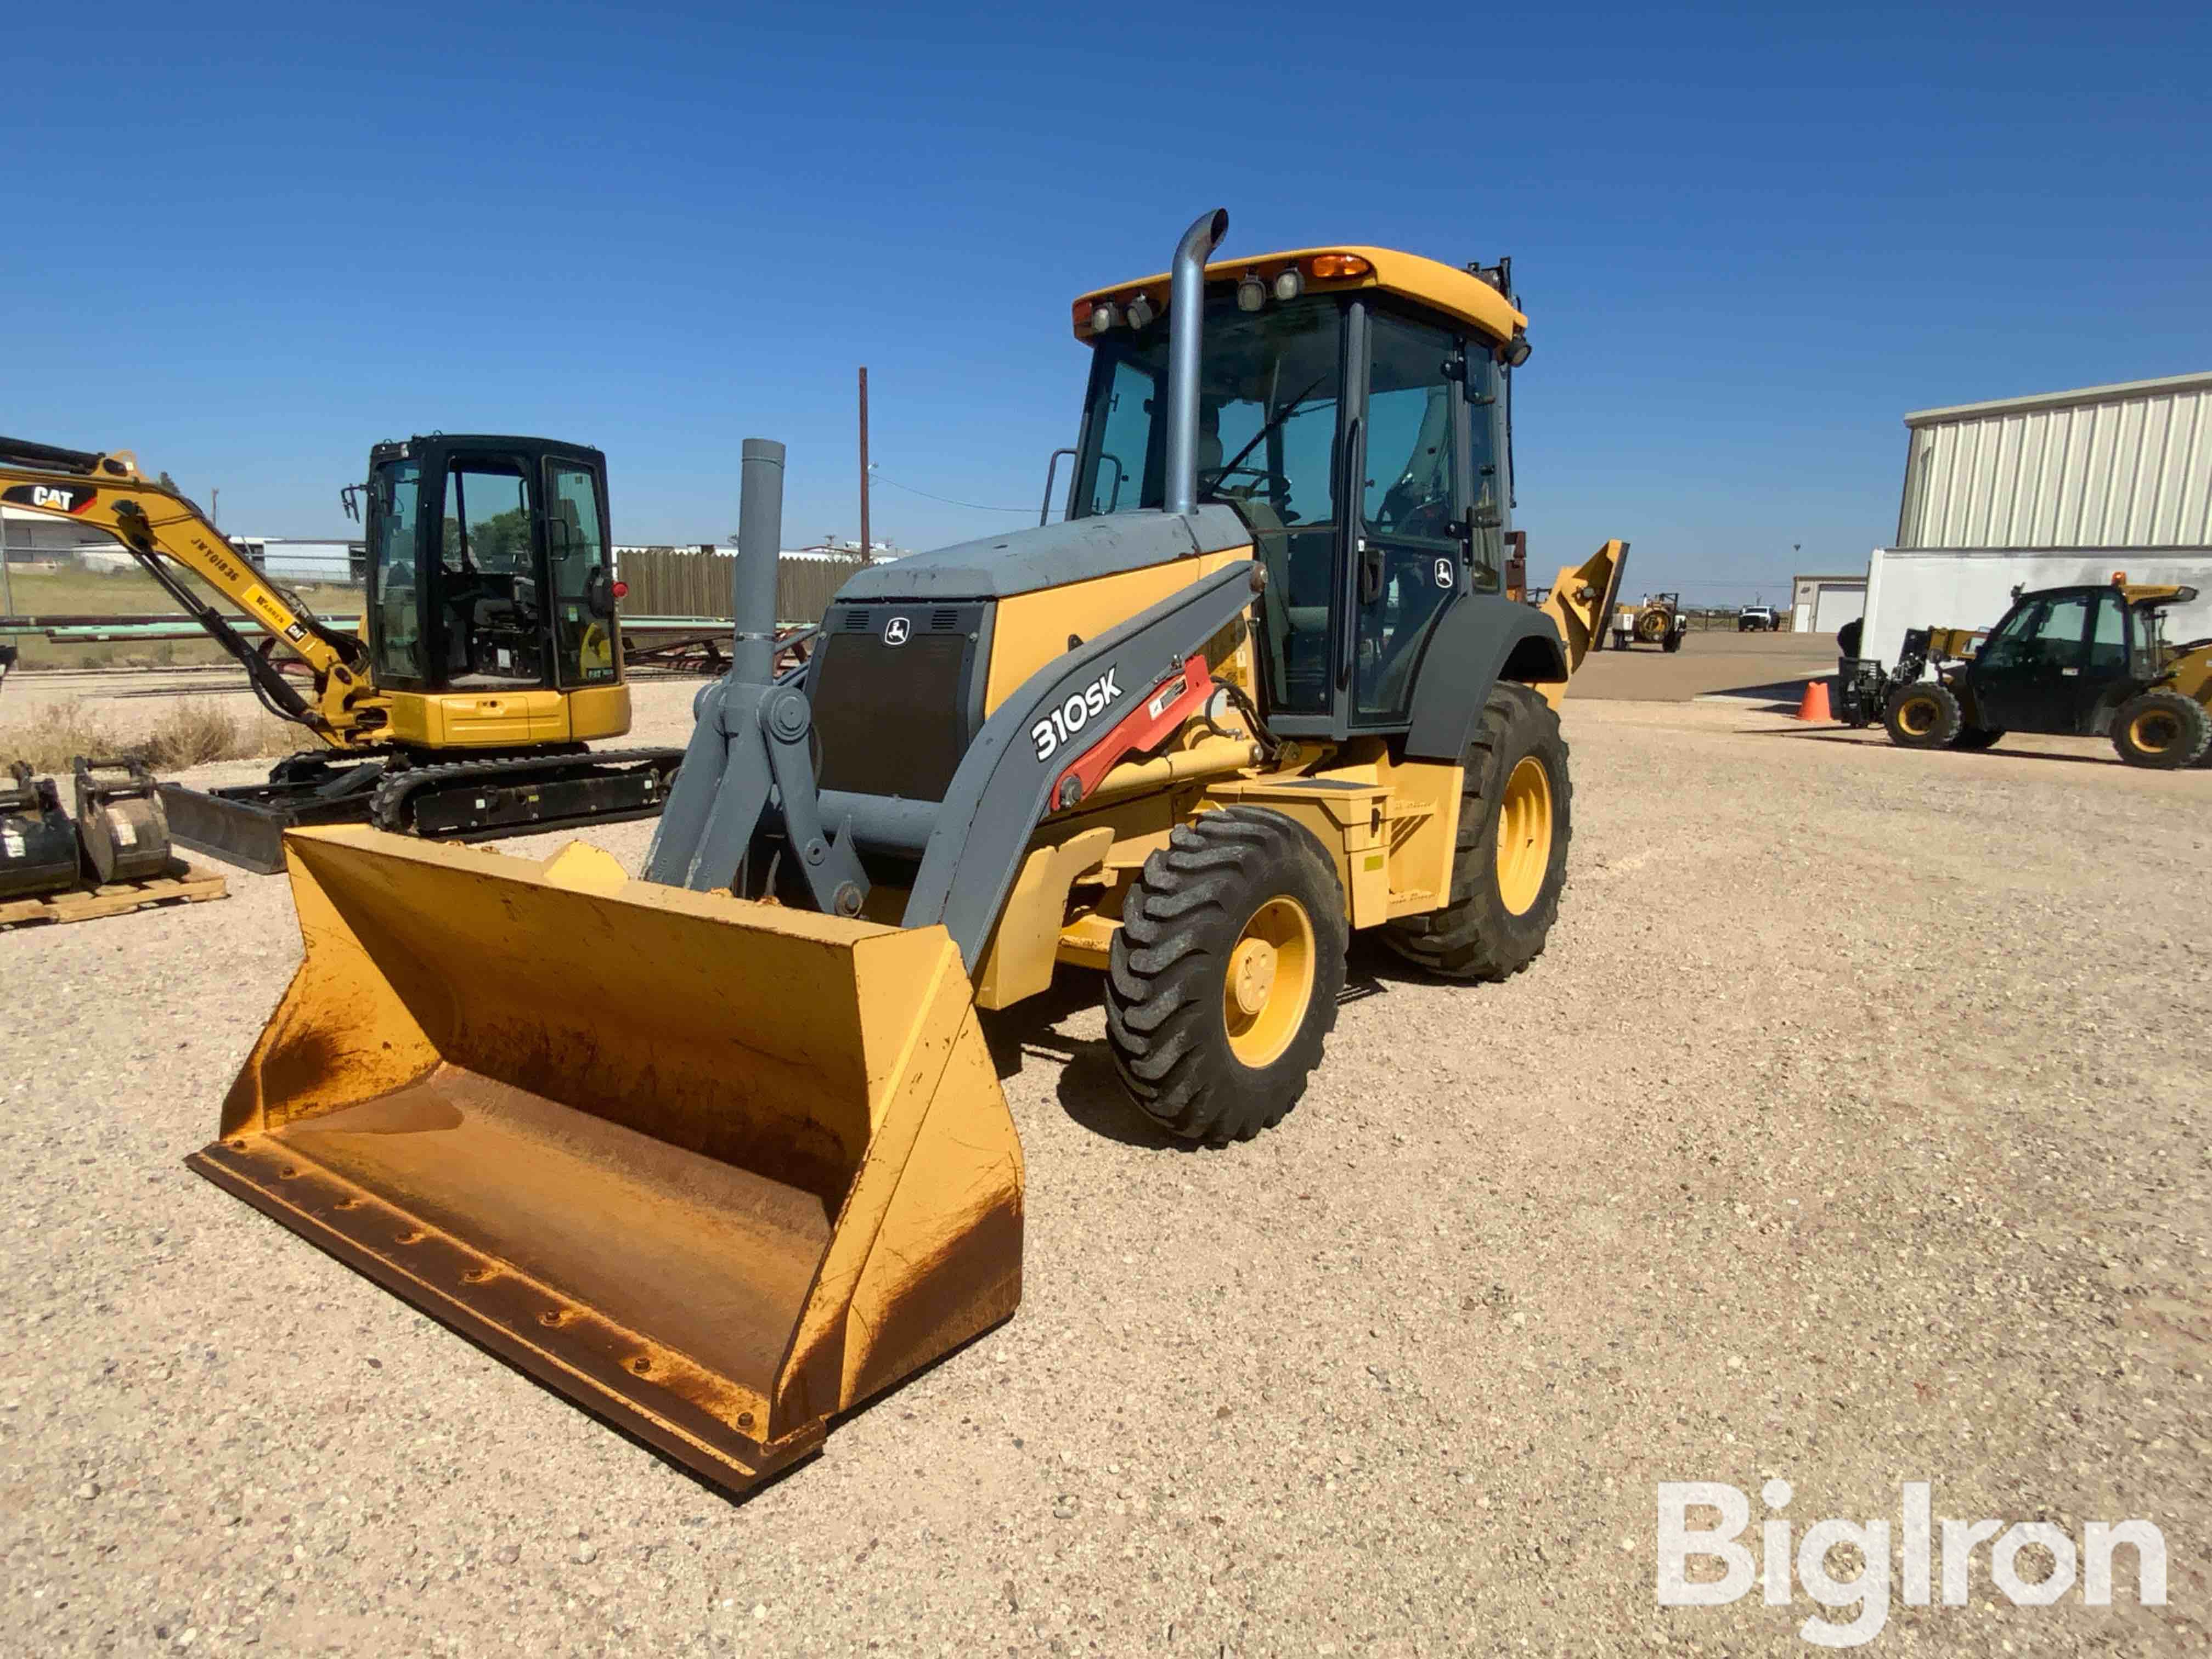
(477, 800)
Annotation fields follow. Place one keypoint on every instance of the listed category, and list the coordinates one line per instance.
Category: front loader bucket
(715, 1169)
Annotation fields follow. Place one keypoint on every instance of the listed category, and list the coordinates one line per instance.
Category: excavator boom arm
(164, 532)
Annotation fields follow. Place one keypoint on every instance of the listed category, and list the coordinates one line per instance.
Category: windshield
(1267, 397)
(1268, 390)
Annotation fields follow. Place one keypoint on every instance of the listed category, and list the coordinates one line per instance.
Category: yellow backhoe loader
(719, 1151)
(488, 654)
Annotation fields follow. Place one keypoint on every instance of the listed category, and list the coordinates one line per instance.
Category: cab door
(585, 638)
(1411, 552)
(2037, 671)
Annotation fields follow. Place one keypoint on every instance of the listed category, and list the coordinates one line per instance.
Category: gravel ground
(1850, 1131)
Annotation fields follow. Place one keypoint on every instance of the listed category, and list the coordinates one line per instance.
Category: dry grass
(191, 734)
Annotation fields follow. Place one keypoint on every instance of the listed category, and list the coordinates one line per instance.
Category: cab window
(2108, 640)
(490, 624)
(576, 556)
(2047, 634)
(397, 621)
(1270, 387)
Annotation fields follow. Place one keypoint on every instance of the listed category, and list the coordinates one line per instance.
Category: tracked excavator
(719, 1150)
(489, 657)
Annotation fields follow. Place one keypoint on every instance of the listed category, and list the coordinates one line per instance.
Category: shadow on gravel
(1868, 739)
(1093, 1097)
(1780, 696)
(1089, 1090)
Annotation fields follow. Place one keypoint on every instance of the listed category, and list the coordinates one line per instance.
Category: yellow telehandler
(720, 1151)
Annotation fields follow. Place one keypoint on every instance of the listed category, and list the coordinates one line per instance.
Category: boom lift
(489, 654)
(720, 1151)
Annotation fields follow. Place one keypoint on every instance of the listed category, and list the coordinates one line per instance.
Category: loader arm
(165, 532)
(1012, 774)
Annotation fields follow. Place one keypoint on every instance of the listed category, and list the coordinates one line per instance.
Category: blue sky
(1749, 240)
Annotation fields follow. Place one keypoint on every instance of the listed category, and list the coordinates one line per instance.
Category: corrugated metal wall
(2122, 467)
(695, 582)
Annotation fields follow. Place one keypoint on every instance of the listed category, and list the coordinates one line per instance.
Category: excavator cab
(491, 592)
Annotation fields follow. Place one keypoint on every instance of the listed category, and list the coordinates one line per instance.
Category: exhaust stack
(1186, 336)
(760, 542)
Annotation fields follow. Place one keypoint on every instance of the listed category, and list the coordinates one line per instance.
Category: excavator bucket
(715, 1169)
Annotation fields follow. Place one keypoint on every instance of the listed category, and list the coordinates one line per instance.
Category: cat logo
(51, 499)
(897, 629)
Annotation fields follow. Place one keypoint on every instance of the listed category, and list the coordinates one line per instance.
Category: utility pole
(215, 508)
(868, 547)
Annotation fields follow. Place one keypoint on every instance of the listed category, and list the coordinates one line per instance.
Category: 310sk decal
(1080, 710)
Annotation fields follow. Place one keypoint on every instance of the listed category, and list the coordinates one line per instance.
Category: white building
(1821, 605)
(2049, 490)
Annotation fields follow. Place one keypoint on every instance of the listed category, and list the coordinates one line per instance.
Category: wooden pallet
(185, 883)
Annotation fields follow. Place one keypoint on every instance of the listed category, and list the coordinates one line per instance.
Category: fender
(1479, 641)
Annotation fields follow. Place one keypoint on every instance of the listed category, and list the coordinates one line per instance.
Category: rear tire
(1501, 910)
(2162, 729)
(1224, 972)
(1973, 739)
(1923, 715)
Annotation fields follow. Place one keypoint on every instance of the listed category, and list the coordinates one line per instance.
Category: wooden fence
(695, 582)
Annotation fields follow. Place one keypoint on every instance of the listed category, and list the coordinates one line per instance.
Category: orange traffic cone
(1814, 706)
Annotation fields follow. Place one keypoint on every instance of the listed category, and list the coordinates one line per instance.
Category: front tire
(1923, 715)
(1515, 819)
(1224, 972)
(2162, 729)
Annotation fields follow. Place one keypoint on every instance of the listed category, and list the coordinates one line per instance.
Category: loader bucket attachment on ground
(715, 1169)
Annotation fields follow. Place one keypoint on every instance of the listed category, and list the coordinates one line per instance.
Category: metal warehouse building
(2127, 465)
(2048, 491)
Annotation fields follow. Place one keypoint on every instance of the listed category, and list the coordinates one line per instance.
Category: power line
(877, 473)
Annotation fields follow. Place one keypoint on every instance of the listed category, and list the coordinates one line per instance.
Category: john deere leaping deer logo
(897, 629)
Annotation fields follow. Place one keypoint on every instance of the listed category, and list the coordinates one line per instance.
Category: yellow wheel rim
(1270, 982)
(2153, 731)
(1917, 716)
(1524, 836)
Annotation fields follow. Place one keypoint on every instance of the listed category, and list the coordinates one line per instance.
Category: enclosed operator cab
(491, 594)
(1353, 411)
